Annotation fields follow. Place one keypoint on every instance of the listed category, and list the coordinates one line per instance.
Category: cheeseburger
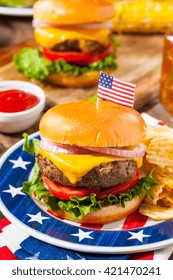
(75, 42)
(88, 162)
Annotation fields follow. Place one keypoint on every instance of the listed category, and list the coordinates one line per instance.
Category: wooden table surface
(139, 61)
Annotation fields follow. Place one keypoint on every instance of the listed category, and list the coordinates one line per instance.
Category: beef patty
(73, 45)
(103, 176)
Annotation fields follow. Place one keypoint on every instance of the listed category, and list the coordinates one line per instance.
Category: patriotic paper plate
(136, 233)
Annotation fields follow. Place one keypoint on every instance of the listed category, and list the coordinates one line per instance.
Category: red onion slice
(61, 148)
(119, 152)
(39, 23)
(73, 149)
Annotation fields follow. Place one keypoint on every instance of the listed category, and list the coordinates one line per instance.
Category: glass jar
(166, 82)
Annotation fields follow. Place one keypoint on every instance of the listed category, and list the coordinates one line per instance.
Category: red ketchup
(15, 100)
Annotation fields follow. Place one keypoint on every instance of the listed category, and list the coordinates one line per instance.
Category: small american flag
(116, 90)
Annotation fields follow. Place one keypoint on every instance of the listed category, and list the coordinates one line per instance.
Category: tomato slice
(98, 56)
(119, 188)
(67, 56)
(79, 58)
(65, 192)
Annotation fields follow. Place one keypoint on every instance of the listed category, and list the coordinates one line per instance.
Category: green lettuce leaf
(93, 97)
(31, 147)
(17, 3)
(34, 66)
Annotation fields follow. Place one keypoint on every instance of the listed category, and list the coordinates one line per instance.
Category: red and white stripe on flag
(115, 90)
(5, 253)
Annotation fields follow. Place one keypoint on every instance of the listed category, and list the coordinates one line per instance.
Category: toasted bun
(86, 124)
(73, 12)
(87, 79)
(107, 214)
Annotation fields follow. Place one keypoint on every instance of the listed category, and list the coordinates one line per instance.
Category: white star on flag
(83, 234)
(14, 191)
(19, 163)
(37, 218)
(138, 235)
(34, 257)
(70, 258)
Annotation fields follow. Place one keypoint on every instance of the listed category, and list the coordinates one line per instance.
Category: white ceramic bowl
(21, 121)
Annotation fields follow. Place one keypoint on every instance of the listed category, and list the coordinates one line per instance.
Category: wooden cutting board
(139, 61)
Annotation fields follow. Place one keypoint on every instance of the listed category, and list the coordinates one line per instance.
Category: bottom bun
(107, 214)
(87, 79)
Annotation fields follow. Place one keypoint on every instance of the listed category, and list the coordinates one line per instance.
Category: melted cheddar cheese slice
(74, 167)
(48, 37)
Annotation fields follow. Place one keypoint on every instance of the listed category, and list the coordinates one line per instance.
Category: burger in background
(88, 162)
(75, 42)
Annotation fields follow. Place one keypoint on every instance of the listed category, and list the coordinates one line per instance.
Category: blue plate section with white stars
(15, 168)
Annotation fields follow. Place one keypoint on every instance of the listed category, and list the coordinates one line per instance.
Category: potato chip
(154, 132)
(162, 193)
(159, 155)
(158, 160)
(156, 212)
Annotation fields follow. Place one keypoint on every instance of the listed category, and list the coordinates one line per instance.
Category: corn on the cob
(143, 16)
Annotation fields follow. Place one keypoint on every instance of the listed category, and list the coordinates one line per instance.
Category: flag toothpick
(98, 102)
